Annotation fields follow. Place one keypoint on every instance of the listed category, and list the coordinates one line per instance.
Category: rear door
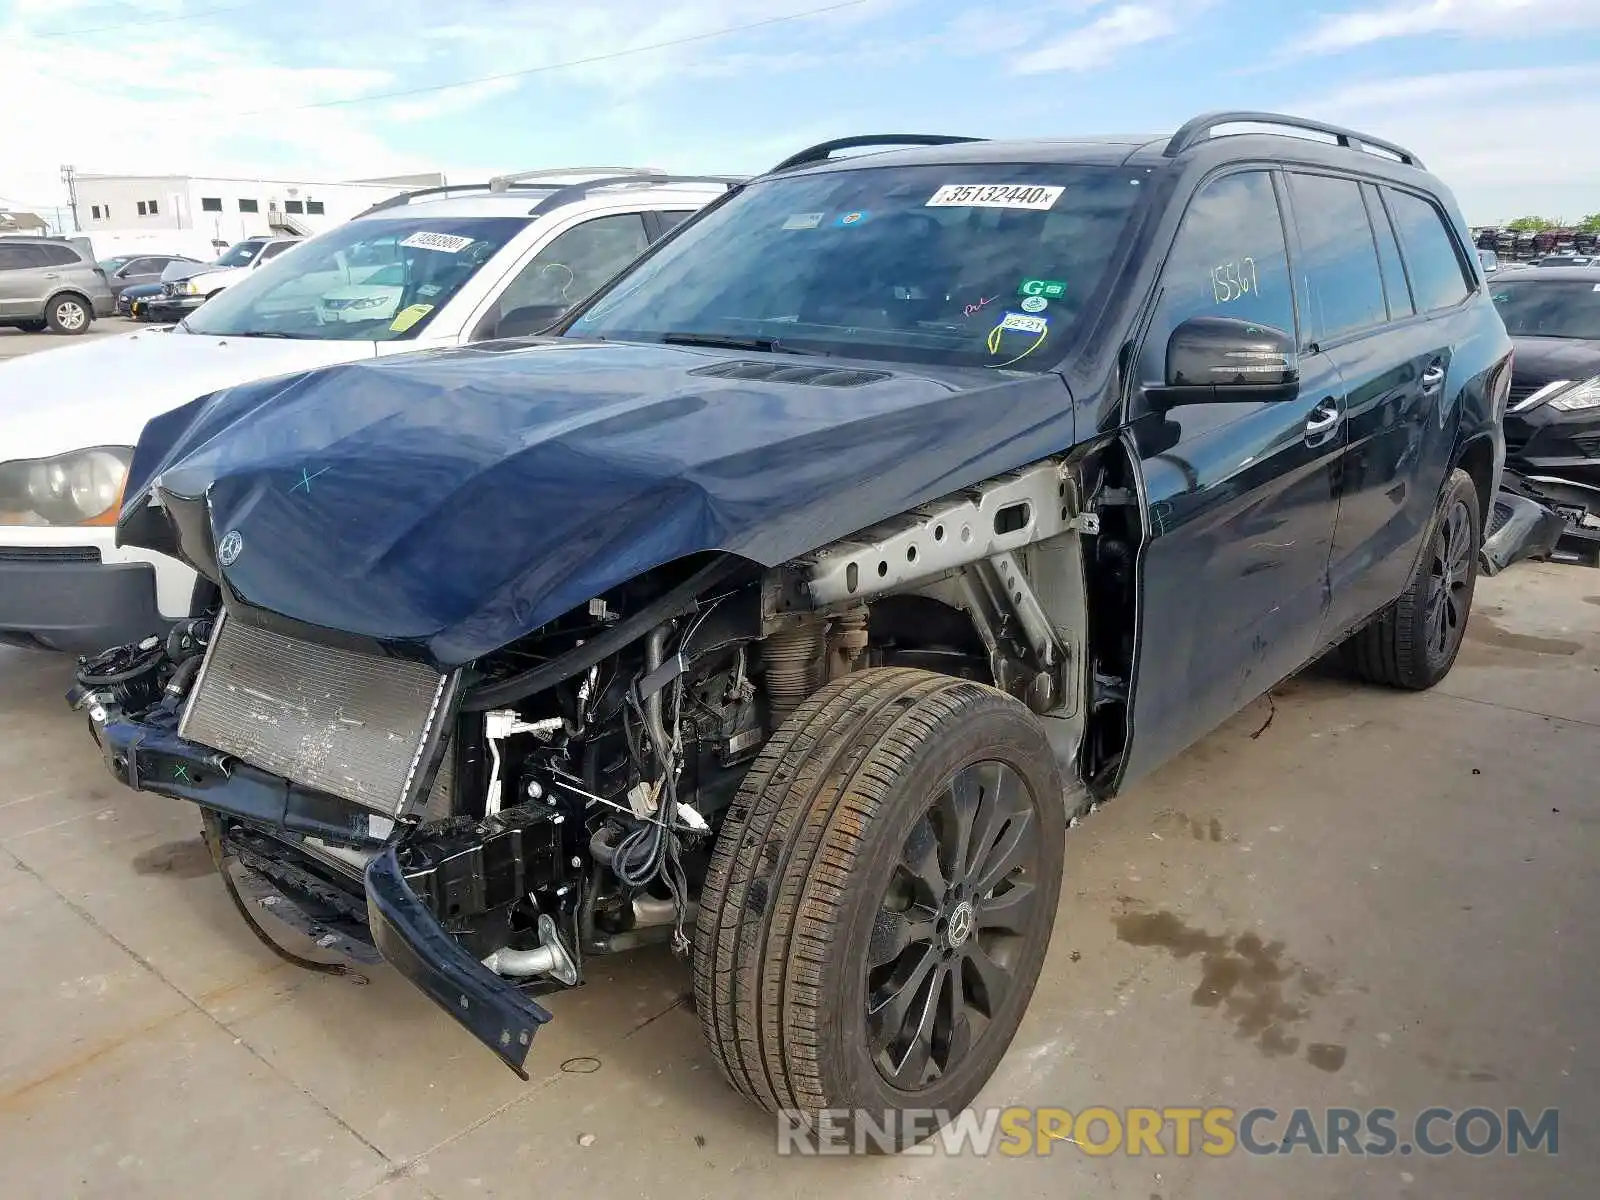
(1361, 314)
(17, 285)
(30, 281)
(1239, 496)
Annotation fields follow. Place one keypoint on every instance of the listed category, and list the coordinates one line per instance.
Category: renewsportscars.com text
(1178, 1132)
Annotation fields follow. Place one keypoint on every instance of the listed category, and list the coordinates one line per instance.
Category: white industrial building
(226, 210)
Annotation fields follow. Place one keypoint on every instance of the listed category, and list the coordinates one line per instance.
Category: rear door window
(1396, 291)
(1438, 276)
(1338, 258)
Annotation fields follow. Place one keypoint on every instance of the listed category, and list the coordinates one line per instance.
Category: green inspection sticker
(1050, 289)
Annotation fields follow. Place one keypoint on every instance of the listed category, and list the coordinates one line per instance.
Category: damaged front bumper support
(148, 755)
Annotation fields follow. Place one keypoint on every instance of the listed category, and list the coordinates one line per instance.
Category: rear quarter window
(60, 256)
(1438, 276)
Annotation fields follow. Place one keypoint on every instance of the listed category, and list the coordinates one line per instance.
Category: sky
(1501, 98)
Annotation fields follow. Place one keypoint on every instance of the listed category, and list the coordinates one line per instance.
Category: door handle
(52, 274)
(1323, 421)
(1433, 377)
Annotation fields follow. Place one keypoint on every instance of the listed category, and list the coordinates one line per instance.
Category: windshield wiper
(263, 333)
(731, 341)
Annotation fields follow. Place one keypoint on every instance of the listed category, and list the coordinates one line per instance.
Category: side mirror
(521, 322)
(1214, 360)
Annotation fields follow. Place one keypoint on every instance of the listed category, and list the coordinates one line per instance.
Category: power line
(560, 66)
(187, 16)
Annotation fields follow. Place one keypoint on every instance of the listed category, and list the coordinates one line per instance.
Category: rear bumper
(148, 755)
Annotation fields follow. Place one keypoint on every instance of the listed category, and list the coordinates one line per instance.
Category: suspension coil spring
(792, 666)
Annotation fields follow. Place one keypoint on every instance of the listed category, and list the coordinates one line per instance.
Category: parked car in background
(185, 290)
(1552, 425)
(477, 262)
(376, 297)
(1553, 318)
(1565, 258)
(148, 268)
(807, 582)
(45, 283)
(134, 301)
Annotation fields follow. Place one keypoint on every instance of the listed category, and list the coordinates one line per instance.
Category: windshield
(241, 255)
(369, 280)
(1568, 309)
(966, 265)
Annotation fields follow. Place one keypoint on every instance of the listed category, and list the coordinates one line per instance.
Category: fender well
(1476, 458)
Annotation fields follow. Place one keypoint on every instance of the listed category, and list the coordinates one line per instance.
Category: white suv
(437, 267)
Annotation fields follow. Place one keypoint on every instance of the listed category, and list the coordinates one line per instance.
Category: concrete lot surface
(1345, 897)
(14, 343)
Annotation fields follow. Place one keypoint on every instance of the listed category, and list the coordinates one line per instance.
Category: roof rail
(577, 191)
(823, 151)
(501, 183)
(1200, 128)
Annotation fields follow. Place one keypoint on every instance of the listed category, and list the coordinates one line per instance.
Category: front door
(1239, 497)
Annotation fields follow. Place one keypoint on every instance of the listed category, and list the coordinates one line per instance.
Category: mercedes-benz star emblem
(232, 546)
(960, 926)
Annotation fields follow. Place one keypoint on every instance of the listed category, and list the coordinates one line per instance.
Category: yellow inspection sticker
(407, 317)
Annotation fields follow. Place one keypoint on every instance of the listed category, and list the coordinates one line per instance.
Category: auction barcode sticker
(450, 243)
(994, 195)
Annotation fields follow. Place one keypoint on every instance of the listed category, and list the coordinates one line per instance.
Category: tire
(809, 907)
(69, 313)
(1415, 643)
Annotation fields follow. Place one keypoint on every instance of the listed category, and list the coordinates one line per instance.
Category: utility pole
(70, 178)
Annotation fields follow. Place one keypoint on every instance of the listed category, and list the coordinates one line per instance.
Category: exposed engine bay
(489, 829)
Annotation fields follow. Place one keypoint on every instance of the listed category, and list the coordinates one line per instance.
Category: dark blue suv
(791, 597)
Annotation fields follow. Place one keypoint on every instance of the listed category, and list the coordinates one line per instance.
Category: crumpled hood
(100, 392)
(1539, 360)
(457, 500)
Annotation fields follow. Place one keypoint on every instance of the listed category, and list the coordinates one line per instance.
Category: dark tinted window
(1228, 261)
(13, 258)
(1395, 288)
(1337, 257)
(674, 218)
(249, 206)
(274, 250)
(313, 208)
(58, 256)
(294, 206)
(210, 203)
(1437, 278)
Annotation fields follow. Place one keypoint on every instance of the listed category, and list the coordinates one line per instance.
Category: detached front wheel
(880, 900)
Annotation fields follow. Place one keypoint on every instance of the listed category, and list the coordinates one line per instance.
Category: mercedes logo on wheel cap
(232, 546)
(960, 926)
